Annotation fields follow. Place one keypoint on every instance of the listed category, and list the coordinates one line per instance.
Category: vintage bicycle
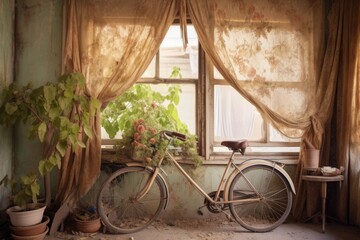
(258, 192)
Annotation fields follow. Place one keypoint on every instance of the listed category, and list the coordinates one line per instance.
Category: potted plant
(27, 211)
(140, 114)
(86, 219)
(46, 110)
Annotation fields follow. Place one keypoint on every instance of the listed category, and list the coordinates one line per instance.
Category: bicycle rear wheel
(118, 205)
(275, 198)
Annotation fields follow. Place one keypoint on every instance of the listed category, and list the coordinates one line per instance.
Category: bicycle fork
(148, 184)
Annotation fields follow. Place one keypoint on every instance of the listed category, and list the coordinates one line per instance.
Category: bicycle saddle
(235, 145)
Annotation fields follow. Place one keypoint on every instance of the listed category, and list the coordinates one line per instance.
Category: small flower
(135, 143)
(137, 136)
(153, 131)
(148, 160)
(152, 140)
(154, 104)
(140, 128)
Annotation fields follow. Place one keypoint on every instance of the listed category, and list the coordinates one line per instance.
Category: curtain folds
(216, 22)
(108, 71)
(347, 119)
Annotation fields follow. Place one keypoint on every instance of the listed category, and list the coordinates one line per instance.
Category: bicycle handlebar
(170, 134)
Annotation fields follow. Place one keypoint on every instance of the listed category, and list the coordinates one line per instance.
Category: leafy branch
(49, 112)
(157, 112)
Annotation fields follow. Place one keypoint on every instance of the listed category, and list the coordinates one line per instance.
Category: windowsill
(109, 155)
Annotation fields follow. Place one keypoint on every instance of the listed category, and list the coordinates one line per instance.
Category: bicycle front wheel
(273, 192)
(119, 205)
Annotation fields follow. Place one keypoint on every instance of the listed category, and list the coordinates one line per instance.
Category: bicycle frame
(221, 185)
(225, 181)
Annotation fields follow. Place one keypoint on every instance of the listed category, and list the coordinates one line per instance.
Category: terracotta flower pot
(29, 215)
(31, 230)
(40, 236)
(87, 226)
(311, 161)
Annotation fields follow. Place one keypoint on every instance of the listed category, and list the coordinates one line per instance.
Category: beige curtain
(347, 119)
(354, 154)
(236, 35)
(111, 42)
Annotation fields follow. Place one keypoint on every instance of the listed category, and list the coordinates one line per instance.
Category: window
(279, 65)
(226, 115)
(173, 55)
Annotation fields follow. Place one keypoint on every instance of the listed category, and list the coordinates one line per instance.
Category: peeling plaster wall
(184, 200)
(6, 77)
(38, 60)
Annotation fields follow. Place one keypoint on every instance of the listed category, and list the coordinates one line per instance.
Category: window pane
(234, 117)
(186, 108)
(217, 74)
(150, 71)
(172, 53)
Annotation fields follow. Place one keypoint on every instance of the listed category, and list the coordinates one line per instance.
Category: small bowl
(34, 237)
(31, 230)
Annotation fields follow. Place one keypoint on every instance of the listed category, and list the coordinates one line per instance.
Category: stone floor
(219, 229)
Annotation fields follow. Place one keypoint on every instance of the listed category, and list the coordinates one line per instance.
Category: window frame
(204, 100)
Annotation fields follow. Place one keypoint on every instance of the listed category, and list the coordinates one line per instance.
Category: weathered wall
(6, 77)
(38, 60)
(184, 200)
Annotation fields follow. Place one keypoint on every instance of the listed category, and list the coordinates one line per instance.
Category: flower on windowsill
(142, 140)
(146, 142)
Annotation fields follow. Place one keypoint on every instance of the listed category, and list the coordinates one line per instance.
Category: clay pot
(311, 161)
(29, 215)
(87, 226)
(31, 230)
(40, 236)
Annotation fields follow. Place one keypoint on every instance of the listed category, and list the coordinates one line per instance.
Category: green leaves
(27, 188)
(61, 147)
(46, 165)
(50, 93)
(157, 110)
(141, 101)
(57, 113)
(88, 131)
(42, 131)
(10, 108)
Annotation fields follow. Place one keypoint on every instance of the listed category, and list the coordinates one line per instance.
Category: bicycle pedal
(199, 212)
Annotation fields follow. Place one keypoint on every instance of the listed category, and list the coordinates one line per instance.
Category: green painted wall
(6, 77)
(184, 200)
(37, 60)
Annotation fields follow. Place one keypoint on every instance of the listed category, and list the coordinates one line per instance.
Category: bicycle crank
(215, 208)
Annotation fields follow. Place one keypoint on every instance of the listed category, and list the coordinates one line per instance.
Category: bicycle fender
(257, 162)
(134, 164)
